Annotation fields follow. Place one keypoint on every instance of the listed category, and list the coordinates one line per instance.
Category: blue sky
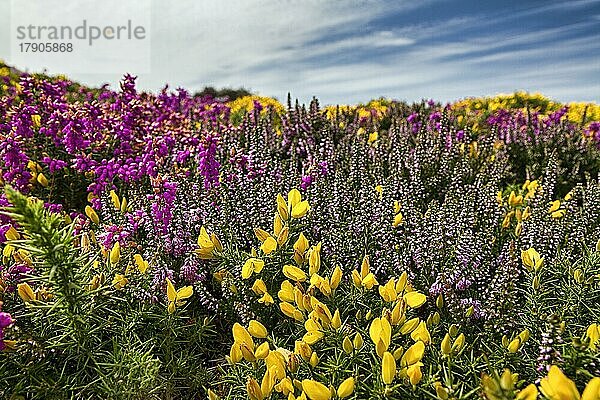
(352, 51)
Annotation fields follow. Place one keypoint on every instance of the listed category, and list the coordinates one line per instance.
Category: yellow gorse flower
(115, 199)
(366, 278)
(555, 205)
(257, 329)
(269, 245)
(300, 247)
(208, 245)
(176, 297)
(531, 259)
(593, 335)
(25, 292)
(297, 207)
(346, 388)
(515, 200)
(398, 218)
(97, 281)
(556, 386)
(373, 136)
(421, 333)
(12, 234)
(294, 273)
(314, 259)
(592, 390)
(254, 389)
(336, 278)
(91, 213)
(141, 264)
(380, 333)
(388, 368)
(528, 393)
(315, 390)
(119, 281)
(558, 214)
(294, 207)
(252, 265)
(115, 253)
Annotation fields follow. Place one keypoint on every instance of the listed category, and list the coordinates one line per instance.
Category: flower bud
(124, 205)
(282, 237)
(347, 345)
(314, 359)
(293, 363)
(25, 292)
(346, 388)
(336, 321)
(398, 353)
(388, 368)
(282, 208)
(42, 180)
(253, 388)
(358, 341)
(89, 211)
(336, 278)
(439, 301)
(12, 234)
(436, 318)
(446, 346)
(458, 343)
(257, 329)
(442, 392)
(262, 351)
(506, 381)
(115, 253)
(115, 200)
(470, 312)
(453, 330)
(409, 326)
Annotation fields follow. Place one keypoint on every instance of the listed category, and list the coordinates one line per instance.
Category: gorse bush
(174, 246)
(81, 333)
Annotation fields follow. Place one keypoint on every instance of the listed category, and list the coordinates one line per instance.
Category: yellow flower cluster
(375, 108)
(332, 112)
(471, 110)
(516, 343)
(246, 104)
(512, 101)
(555, 386)
(516, 205)
(306, 297)
(583, 112)
(533, 262)
(36, 170)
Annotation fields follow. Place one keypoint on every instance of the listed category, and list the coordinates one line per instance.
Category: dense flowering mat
(176, 246)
